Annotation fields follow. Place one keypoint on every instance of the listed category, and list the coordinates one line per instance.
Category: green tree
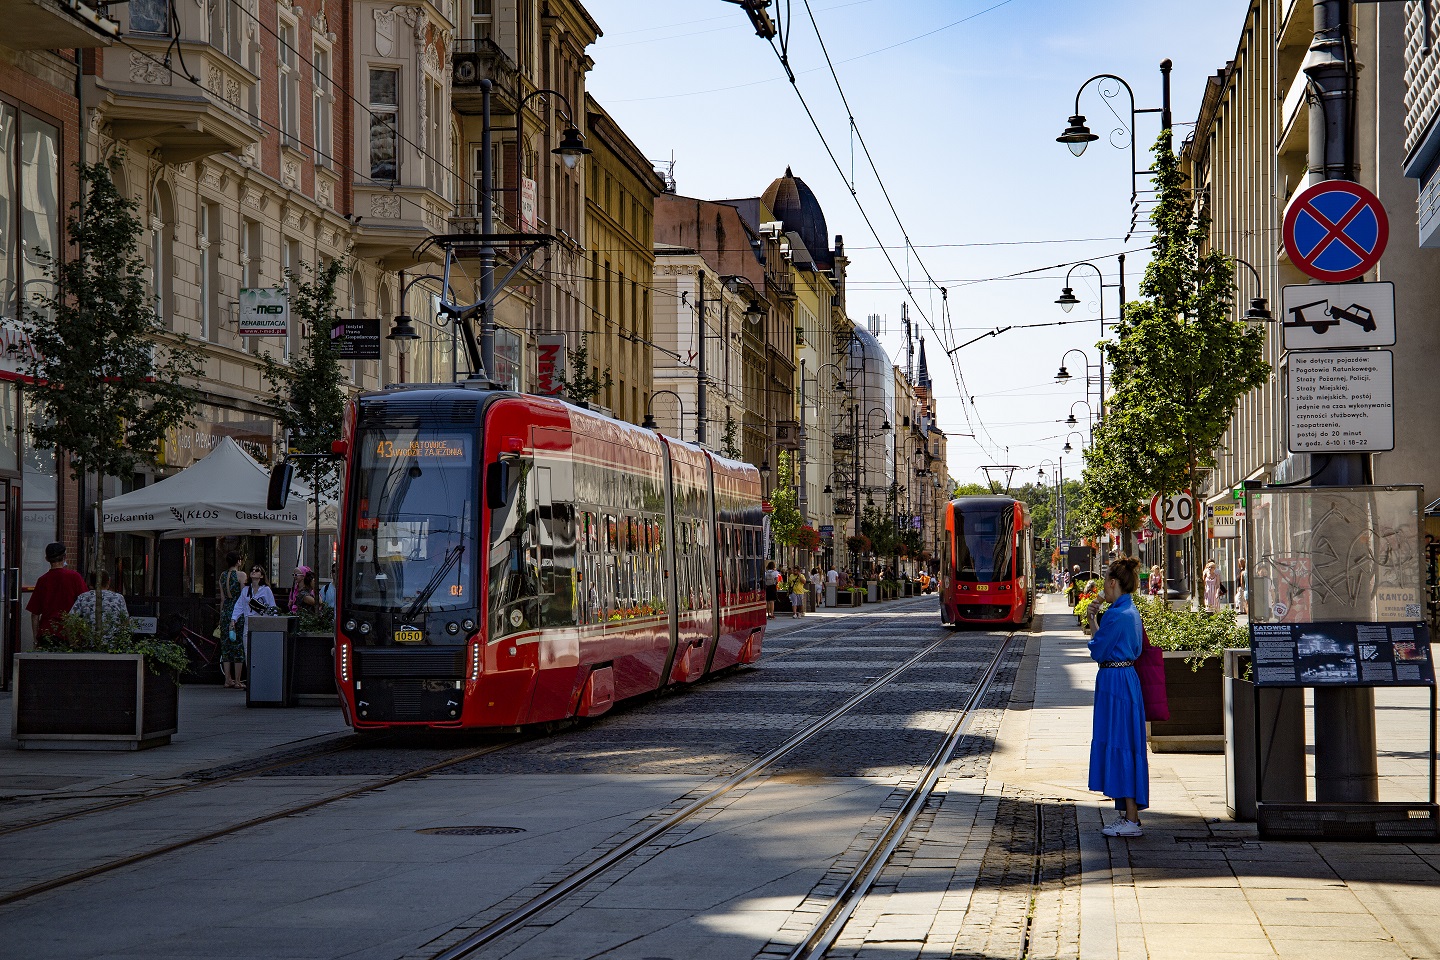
(785, 519)
(109, 381)
(580, 384)
(1180, 362)
(305, 392)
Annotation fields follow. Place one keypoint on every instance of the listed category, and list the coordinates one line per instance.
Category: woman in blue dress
(1118, 766)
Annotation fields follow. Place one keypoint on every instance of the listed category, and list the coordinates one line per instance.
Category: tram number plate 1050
(409, 635)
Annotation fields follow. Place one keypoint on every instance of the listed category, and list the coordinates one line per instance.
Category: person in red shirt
(55, 592)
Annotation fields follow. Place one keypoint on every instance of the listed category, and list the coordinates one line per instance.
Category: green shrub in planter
(1205, 635)
(77, 635)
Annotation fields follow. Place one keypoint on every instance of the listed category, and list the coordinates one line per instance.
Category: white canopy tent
(220, 495)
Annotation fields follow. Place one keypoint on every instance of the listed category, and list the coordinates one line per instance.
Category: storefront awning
(221, 495)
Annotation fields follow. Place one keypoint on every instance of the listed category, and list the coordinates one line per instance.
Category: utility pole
(802, 498)
(1346, 765)
(700, 374)
(487, 227)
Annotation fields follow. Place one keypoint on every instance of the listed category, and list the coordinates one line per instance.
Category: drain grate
(470, 831)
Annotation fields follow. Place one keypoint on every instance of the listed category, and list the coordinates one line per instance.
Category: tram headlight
(350, 626)
(474, 662)
(365, 629)
(468, 624)
(452, 628)
(344, 660)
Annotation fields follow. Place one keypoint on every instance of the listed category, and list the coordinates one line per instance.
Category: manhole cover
(470, 831)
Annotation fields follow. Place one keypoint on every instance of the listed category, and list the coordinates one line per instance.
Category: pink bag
(1151, 670)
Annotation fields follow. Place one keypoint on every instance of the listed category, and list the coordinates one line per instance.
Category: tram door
(9, 579)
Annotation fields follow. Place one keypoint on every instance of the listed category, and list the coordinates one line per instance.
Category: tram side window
(557, 570)
(514, 580)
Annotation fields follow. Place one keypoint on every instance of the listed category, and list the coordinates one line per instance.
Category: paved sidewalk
(1199, 884)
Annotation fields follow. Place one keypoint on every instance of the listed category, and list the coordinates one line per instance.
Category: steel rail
(558, 891)
(829, 925)
(108, 866)
(163, 792)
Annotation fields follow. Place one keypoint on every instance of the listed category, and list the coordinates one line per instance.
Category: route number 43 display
(1174, 514)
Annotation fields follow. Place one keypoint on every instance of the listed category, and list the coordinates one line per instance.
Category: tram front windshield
(984, 543)
(412, 547)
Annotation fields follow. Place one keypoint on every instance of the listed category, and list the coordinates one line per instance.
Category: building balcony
(394, 221)
(141, 100)
(472, 61)
(54, 25)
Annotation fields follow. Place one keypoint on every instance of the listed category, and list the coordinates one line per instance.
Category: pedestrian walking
(232, 651)
(256, 599)
(772, 589)
(1242, 588)
(796, 584)
(1211, 581)
(54, 594)
(304, 592)
(817, 587)
(114, 615)
(1118, 765)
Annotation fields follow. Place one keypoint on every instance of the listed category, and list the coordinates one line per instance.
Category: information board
(1341, 401)
(1341, 654)
(1349, 554)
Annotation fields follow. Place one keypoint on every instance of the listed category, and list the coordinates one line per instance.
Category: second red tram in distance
(508, 559)
(987, 567)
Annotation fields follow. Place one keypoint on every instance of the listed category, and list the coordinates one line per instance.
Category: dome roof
(795, 204)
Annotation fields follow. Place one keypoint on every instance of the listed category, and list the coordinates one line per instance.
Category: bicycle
(202, 650)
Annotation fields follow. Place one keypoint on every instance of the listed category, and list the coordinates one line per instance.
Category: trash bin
(830, 595)
(268, 682)
(1282, 740)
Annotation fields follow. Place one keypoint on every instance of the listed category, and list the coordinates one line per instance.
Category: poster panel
(1349, 554)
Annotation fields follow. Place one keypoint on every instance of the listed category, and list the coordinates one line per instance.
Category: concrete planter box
(844, 598)
(312, 670)
(92, 701)
(1197, 708)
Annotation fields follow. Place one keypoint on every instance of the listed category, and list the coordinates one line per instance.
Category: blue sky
(961, 125)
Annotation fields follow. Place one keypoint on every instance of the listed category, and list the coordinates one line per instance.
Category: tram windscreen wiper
(423, 597)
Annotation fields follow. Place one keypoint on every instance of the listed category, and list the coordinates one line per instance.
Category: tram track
(355, 741)
(305, 757)
(863, 877)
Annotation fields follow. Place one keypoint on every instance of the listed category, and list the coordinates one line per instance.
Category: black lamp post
(649, 422)
(1063, 375)
(1067, 301)
(1259, 311)
(1077, 136)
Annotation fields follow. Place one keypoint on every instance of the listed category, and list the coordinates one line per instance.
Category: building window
(321, 112)
(211, 255)
(29, 206)
(162, 252)
(292, 265)
(252, 252)
(434, 168)
(289, 85)
(150, 16)
(384, 123)
(482, 19)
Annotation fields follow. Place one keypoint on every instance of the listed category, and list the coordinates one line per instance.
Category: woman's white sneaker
(1123, 828)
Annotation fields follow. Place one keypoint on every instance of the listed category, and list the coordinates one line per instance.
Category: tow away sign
(1325, 316)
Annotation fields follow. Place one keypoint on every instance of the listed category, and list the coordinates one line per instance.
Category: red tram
(510, 559)
(987, 566)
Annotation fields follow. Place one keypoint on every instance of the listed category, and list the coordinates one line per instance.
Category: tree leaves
(1180, 364)
(110, 381)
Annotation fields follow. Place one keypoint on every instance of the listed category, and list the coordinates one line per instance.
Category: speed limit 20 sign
(1174, 514)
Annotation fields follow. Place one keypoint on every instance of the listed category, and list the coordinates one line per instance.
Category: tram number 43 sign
(1174, 514)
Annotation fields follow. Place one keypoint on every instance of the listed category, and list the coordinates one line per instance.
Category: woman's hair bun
(1123, 571)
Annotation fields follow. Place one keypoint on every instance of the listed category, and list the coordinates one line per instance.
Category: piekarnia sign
(199, 519)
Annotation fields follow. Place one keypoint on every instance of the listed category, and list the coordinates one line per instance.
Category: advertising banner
(550, 369)
(359, 339)
(264, 312)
